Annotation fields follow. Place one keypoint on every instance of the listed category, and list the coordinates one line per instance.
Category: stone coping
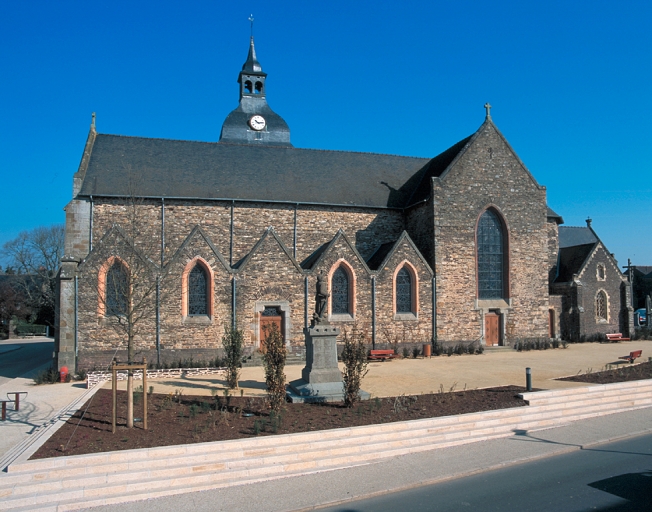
(95, 378)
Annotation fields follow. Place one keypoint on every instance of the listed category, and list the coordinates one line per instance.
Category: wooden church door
(268, 317)
(492, 329)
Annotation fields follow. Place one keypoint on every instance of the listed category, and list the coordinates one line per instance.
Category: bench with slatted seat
(381, 355)
(632, 356)
(617, 336)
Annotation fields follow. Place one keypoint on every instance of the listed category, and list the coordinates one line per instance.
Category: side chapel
(459, 247)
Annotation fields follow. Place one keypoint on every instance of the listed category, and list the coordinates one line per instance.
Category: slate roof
(554, 215)
(571, 260)
(122, 166)
(570, 236)
(435, 168)
(125, 166)
(379, 256)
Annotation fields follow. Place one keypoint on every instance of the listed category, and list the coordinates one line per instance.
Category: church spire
(252, 64)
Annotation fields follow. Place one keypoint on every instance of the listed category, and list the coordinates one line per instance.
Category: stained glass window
(117, 290)
(490, 257)
(340, 292)
(601, 306)
(197, 288)
(403, 291)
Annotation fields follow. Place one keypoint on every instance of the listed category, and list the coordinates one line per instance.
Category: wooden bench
(382, 355)
(632, 356)
(617, 336)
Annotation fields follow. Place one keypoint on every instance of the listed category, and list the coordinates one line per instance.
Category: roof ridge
(266, 146)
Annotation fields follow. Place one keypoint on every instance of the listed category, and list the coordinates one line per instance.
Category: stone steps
(69, 483)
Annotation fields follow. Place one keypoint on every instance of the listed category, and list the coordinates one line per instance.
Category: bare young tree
(123, 279)
(36, 255)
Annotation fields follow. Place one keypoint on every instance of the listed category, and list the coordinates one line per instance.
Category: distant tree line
(28, 281)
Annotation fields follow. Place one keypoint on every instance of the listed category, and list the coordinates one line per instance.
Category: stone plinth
(321, 378)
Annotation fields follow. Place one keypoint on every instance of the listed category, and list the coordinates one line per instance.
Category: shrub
(415, 352)
(437, 348)
(354, 357)
(459, 349)
(406, 352)
(49, 376)
(274, 363)
(233, 341)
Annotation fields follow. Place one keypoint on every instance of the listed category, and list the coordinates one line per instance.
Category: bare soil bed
(622, 374)
(178, 419)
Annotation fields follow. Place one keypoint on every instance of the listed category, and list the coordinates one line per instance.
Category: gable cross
(488, 108)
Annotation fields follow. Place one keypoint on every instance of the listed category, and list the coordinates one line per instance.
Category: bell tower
(254, 122)
(252, 78)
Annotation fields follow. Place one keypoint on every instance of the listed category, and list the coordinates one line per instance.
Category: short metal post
(114, 395)
(528, 379)
(145, 394)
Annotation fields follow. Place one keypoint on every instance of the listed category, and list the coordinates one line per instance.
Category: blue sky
(569, 82)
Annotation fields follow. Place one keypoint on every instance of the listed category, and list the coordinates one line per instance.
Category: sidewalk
(41, 405)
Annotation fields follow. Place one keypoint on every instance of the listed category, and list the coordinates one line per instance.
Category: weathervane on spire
(251, 20)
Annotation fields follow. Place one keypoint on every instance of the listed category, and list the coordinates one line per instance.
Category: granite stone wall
(490, 175)
(265, 270)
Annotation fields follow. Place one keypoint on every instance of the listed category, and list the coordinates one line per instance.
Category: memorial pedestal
(321, 378)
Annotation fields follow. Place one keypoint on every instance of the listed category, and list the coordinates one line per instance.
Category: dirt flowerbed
(623, 374)
(179, 419)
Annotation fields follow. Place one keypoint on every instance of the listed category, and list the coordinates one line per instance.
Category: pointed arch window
(116, 290)
(491, 256)
(340, 300)
(197, 291)
(601, 307)
(403, 291)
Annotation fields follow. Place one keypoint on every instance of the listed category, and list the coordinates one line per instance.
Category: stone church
(461, 247)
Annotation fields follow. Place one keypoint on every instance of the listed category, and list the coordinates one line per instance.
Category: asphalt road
(610, 477)
(20, 356)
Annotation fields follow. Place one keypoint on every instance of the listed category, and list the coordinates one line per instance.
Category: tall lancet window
(340, 292)
(117, 290)
(491, 256)
(197, 292)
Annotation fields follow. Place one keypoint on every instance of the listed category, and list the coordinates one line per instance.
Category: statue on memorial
(321, 296)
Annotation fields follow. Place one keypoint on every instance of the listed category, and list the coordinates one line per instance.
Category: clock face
(257, 122)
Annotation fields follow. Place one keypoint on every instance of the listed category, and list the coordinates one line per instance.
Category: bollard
(528, 379)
